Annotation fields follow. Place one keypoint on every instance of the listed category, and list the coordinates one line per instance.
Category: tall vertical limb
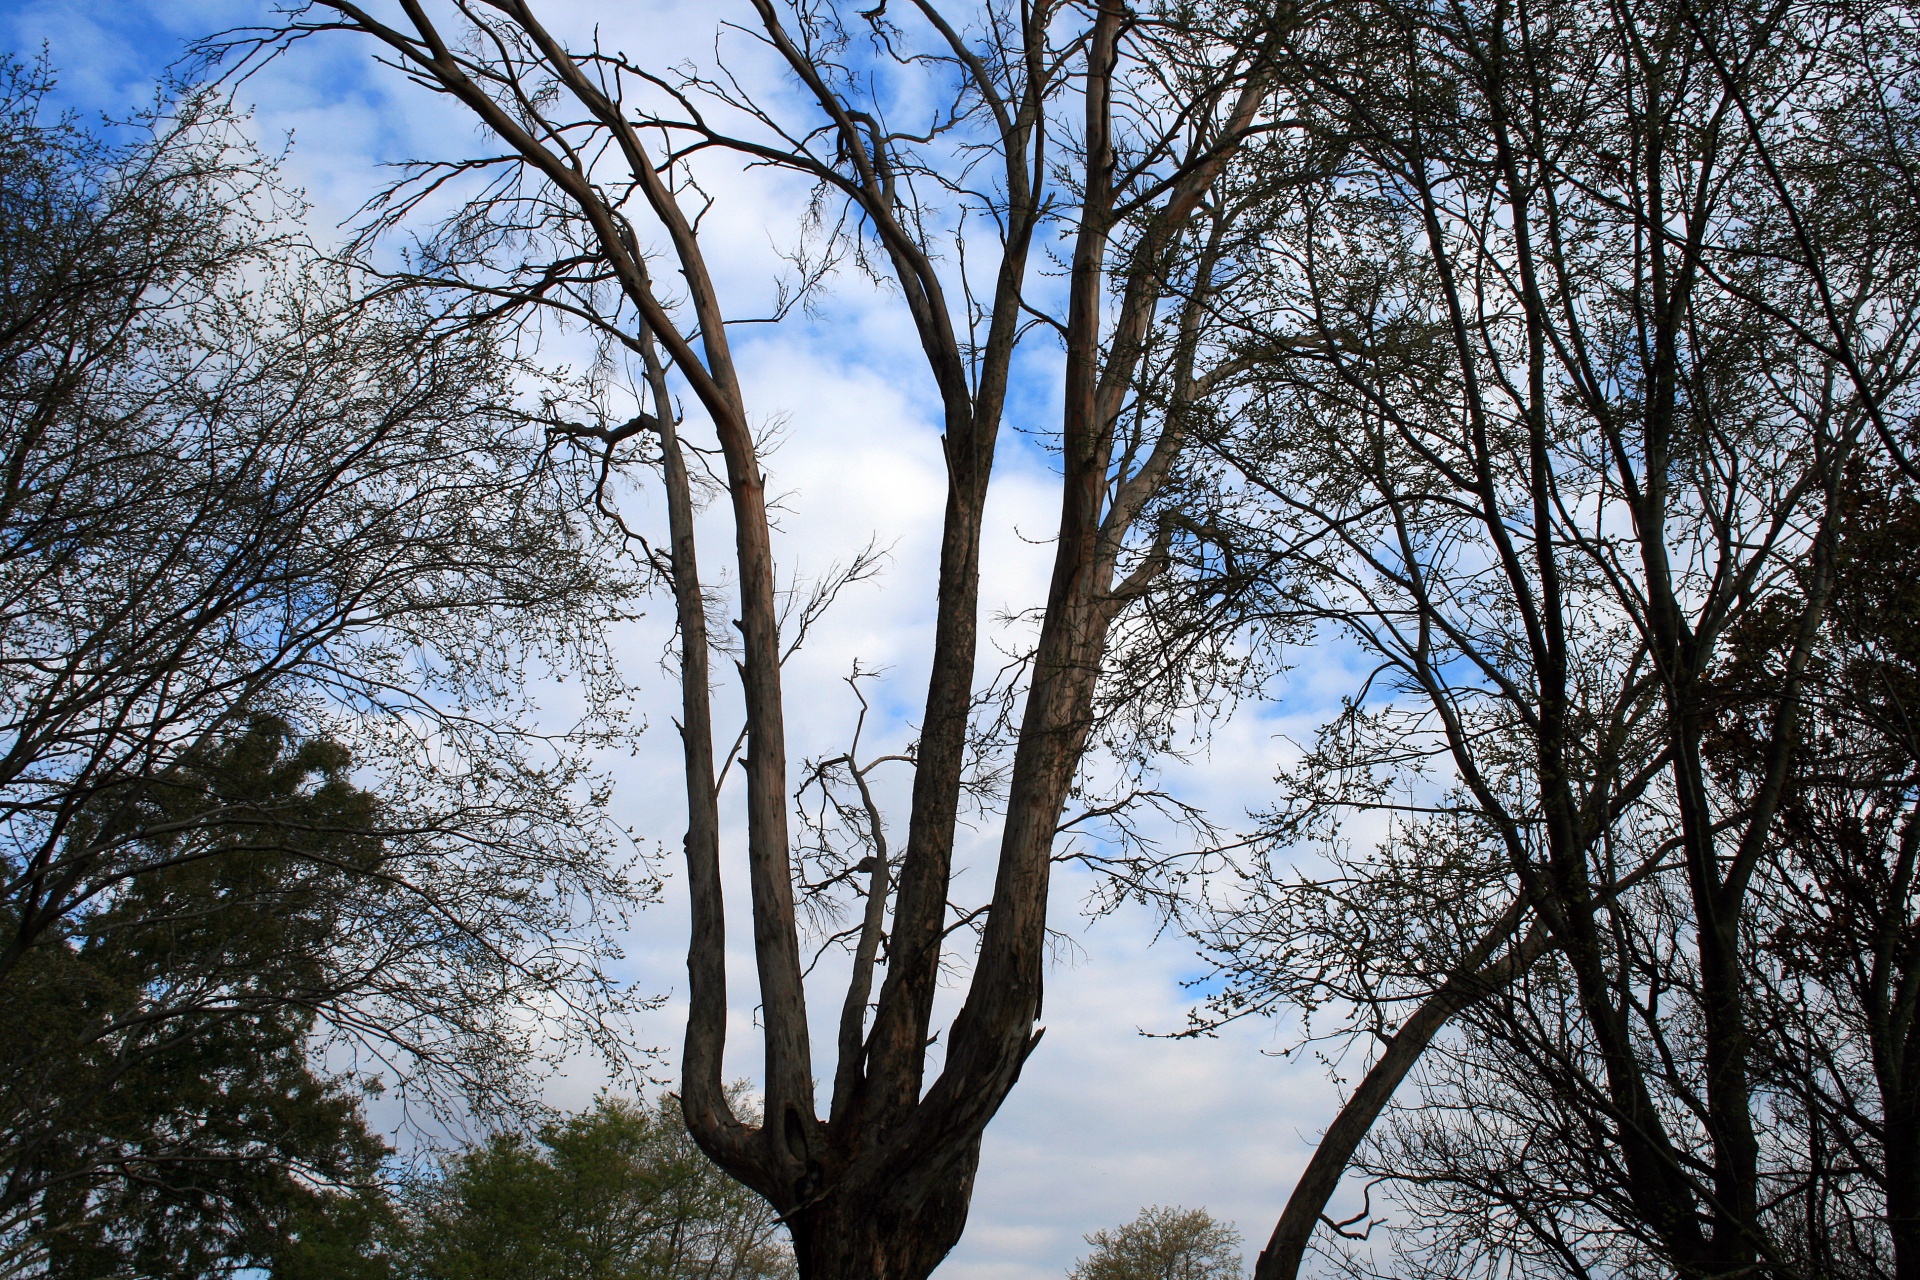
(703, 1090)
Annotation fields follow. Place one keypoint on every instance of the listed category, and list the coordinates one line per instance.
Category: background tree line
(1557, 359)
(616, 1192)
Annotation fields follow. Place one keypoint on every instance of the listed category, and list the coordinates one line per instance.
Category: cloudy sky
(1105, 1119)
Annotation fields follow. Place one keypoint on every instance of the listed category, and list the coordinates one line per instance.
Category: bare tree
(1109, 126)
(1550, 385)
(1835, 979)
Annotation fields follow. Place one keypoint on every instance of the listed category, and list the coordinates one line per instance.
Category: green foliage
(1163, 1244)
(260, 534)
(619, 1192)
(159, 1115)
(340, 1237)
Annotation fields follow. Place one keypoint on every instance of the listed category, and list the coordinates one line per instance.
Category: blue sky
(1105, 1120)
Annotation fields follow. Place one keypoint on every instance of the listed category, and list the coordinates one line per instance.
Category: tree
(150, 1125)
(1835, 966)
(1843, 948)
(257, 530)
(1114, 128)
(1555, 381)
(619, 1192)
(1163, 1244)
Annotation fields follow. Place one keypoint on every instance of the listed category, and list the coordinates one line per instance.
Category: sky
(1107, 1117)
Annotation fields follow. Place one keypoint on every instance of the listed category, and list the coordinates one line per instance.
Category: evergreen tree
(160, 1113)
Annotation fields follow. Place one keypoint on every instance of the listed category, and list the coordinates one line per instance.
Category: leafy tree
(1163, 1244)
(258, 531)
(352, 1236)
(619, 1192)
(232, 486)
(159, 1111)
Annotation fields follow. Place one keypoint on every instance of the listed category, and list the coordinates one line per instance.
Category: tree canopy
(618, 1192)
(159, 1109)
(1163, 1244)
(277, 557)
(1555, 366)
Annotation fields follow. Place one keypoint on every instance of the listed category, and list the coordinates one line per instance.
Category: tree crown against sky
(1163, 1243)
(1112, 129)
(1559, 380)
(160, 1113)
(260, 532)
(617, 1192)
(1418, 377)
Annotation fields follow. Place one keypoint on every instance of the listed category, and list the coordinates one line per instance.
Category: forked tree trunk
(879, 1188)
(895, 1227)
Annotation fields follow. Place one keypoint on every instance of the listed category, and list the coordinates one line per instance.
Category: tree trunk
(887, 1228)
(1903, 1184)
(877, 1190)
(1306, 1207)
